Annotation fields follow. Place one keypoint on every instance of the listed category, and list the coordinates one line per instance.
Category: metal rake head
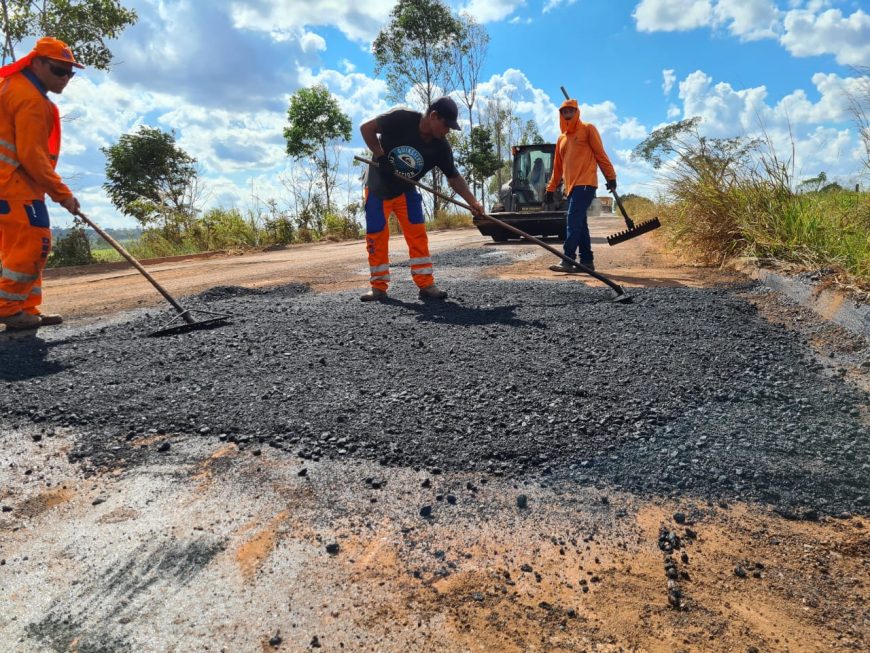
(635, 231)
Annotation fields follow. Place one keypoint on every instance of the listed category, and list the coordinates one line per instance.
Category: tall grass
(732, 197)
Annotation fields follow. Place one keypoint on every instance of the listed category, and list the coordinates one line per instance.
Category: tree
(418, 50)
(85, 24)
(813, 184)
(473, 43)
(150, 178)
(477, 156)
(316, 121)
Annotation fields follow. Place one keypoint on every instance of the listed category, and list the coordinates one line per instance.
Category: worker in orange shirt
(410, 143)
(579, 154)
(29, 147)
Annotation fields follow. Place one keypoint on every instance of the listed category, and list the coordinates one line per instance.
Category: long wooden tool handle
(123, 252)
(504, 225)
(565, 93)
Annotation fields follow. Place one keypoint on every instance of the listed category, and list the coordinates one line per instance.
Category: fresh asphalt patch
(683, 392)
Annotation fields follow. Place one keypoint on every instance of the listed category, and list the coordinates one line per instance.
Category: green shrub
(72, 249)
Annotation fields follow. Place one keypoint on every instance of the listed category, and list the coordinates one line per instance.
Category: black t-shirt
(412, 156)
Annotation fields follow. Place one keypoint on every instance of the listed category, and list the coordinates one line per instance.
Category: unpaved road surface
(527, 466)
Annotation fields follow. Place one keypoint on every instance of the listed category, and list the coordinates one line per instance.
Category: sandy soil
(207, 548)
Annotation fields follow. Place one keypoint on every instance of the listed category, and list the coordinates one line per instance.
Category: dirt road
(327, 520)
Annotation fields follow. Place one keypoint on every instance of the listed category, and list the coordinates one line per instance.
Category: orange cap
(53, 48)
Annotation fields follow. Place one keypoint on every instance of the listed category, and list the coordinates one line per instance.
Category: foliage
(472, 44)
(150, 178)
(315, 120)
(73, 248)
(450, 220)
(417, 49)
(85, 25)
(729, 197)
(478, 156)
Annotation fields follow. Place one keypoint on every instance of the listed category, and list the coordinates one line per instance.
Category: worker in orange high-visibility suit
(579, 154)
(410, 143)
(29, 147)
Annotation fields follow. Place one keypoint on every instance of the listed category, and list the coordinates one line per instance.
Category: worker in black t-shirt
(411, 144)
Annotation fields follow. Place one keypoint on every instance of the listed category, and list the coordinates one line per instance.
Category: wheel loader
(521, 200)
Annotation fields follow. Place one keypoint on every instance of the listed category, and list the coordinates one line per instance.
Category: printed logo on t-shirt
(407, 160)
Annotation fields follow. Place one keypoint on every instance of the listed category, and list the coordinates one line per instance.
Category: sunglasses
(58, 71)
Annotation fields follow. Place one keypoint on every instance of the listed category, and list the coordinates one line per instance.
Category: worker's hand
(610, 185)
(386, 166)
(71, 204)
(549, 200)
(477, 208)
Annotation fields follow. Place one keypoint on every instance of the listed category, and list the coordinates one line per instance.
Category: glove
(548, 197)
(386, 167)
(611, 184)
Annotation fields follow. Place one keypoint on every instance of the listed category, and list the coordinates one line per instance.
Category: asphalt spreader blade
(188, 323)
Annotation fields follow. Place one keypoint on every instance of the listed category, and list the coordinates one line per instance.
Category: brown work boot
(49, 319)
(374, 295)
(432, 292)
(21, 320)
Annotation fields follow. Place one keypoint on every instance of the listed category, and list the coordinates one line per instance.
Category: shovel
(181, 323)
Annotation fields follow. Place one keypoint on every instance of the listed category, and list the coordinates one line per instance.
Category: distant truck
(521, 200)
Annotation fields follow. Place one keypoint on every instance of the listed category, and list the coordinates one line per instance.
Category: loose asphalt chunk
(685, 391)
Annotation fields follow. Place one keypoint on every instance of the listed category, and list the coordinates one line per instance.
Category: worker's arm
(601, 156)
(31, 143)
(369, 131)
(458, 184)
(556, 177)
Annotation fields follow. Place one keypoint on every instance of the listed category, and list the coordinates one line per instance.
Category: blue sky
(220, 74)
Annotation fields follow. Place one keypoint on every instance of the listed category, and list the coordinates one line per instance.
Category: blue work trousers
(577, 234)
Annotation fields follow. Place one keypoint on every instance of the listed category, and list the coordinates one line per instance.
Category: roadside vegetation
(724, 198)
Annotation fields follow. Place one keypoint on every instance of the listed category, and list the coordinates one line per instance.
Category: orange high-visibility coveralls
(408, 208)
(29, 147)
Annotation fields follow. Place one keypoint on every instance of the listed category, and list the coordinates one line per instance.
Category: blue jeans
(577, 233)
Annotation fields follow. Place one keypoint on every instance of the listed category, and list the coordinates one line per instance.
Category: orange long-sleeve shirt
(579, 154)
(29, 141)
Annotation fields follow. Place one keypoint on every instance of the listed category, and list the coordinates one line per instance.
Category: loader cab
(532, 167)
(521, 200)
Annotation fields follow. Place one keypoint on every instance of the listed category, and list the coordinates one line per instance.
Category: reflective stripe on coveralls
(7, 157)
(408, 209)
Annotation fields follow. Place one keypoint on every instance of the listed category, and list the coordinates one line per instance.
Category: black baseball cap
(447, 109)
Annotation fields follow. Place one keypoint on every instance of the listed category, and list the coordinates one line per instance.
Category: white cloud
(672, 15)
(631, 129)
(668, 79)
(359, 20)
(487, 11)
(846, 37)
(749, 19)
(810, 31)
(813, 131)
(673, 111)
(311, 42)
(553, 4)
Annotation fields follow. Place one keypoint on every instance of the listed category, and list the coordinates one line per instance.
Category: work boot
(563, 266)
(21, 320)
(49, 319)
(432, 292)
(374, 295)
(588, 264)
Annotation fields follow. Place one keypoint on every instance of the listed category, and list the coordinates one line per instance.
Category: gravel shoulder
(525, 467)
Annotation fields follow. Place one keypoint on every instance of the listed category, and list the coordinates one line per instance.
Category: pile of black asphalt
(682, 392)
